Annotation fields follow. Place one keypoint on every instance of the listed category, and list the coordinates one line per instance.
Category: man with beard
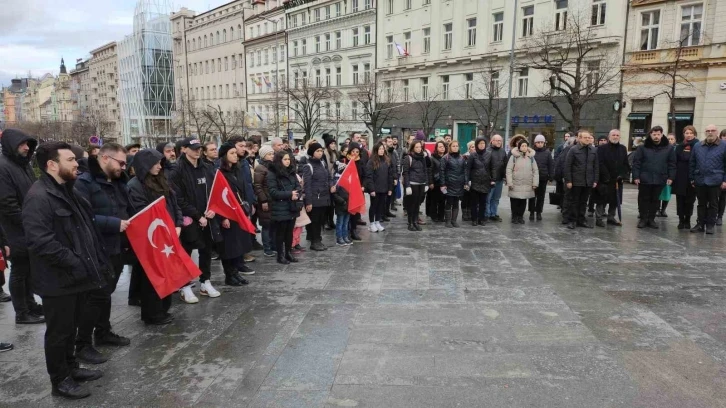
(708, 174)
(16, 177)
(654, 166)
(168, 163)
(67, 261)
(104, 187)
(613, 161)
(245, 176)
(499, 168)
(132, 148)
(395, 164)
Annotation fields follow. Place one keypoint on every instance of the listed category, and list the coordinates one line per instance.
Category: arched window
(205, 40)
(199, 40)
(231, 33)
(239, 31)
(194, 44)
(218, 38)
(187, 44)
(224, 36)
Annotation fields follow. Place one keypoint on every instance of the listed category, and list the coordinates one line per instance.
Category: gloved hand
(409, 191)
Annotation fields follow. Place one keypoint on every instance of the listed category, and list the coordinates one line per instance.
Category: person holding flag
(349, 181)
(285, 194)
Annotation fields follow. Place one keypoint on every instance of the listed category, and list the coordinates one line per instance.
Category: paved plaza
(502, 316)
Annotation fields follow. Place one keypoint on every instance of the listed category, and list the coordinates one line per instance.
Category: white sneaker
(208, 290)
(372, 227)
(187, 295)
(380, 227)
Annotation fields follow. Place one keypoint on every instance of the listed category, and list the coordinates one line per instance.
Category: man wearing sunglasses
(104, 187)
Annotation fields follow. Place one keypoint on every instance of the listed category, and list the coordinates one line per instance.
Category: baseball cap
(192, 143)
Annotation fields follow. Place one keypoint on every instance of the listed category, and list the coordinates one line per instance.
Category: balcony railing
(666, 56)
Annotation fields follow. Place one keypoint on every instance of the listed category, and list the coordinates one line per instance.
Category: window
(367, 73)
(305, 77)
(598, 12)
(444, 87)
(368, 4)
(205, 40)
(498, 27)
(293, 19)
(389, 47)
(267, 56)
(318, 78)
(468, 86)
(304, 46)
(274, 54)
(224, 37)
(426, 2)
(471, 32)
(355, 37)
(560, 15)
(226, 91)
(527, 21)
(649, 25)
(302, 15)
(226, 64)
(259, 58)
(337, 9)
(354, 4)
(426, 40)
(327, 42)
(231, 33)
(494, 85)
(691, 18)
(282, 54)
(338, 40)
(405, 90)
(407, 42)
(390, 6)
(265, 25)
(448, 36)
(317, 43)
(338, 76)
(424, 88)
(234, 90)
(316, 12)
(388, 92)
(217, 41)
(355, 74)
(523, 82)
(367, 35)
(593, 76)
(297, 78)
(407, 4)
(337, 109)
(206, 67)
(214, 92)
(294, 48)
(354, 110)
(252, 59)
(327, 77)
(234, 62)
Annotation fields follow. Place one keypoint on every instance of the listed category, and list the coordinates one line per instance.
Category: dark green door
(466, 132)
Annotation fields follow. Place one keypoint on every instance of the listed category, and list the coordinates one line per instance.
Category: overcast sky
(35, 34)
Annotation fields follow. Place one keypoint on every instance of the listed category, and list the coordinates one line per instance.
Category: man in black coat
(16, 177)
(613, 161)
(546, 168)
(581, 173)
(67, 261)
(654, 166)
(396, 165)
(104, 187)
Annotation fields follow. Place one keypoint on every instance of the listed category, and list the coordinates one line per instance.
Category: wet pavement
(501, 316)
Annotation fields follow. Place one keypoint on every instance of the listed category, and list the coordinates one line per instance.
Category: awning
(682, 116)
(638, 116)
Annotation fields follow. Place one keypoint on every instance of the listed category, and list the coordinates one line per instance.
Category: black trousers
(62, 314)
(317, 218)
(414, 202)
(19, 285)
(721, 203)
(576, 198)
(684, 203)
(135, 282)
(152, 306)
(390, 201)
(648, 200)
(607, 197)
(452, 202)
(536, 203)
(283, 235)
(478, 205)
(329, 217)
(97, 311)
(708, 203)
(519, 206)
(205, 248)
(438, 201)
(378, 206)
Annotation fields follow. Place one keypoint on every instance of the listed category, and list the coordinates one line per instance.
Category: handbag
(555, 199)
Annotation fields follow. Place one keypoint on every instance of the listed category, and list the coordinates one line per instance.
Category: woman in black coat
(317, 187)
(149, 184)
(235, 241)
(435, 199)
(683, 189)
(379, 184)
(285, 193)
(479, 180)
(453, 167)
(416, 179)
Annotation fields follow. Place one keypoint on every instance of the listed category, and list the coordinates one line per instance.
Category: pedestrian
(435, 199)
(581, 173)
(478, 180)
(396, 166)
(262, 193)
(340, 202)
(210, 154)
(285, 194)
(595, 193)
(665, 195)
(169, 161)
(722, 196)
(16, 177)
(244, 168)
(60, 276)
(104, 188)
(685, 191)
(353, 157)
(654, 166)
(546, 168)
(132, 148)
(466, 198)
(149, 185)
(560, 148)
(522, 179)
(453, 181)
(302, 221)
(331, 156)
(317, 187)
(613, 168)
(379, 185)
(499, 169)
(416, 180)
(5, 251)
(192, 181)
(708, 172)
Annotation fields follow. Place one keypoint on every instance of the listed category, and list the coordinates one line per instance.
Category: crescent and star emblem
(225, 197)
(168, 250)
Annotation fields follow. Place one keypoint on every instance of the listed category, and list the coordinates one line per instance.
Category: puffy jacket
(281, 186)
(140, 196)
(262, 192)
(522, 174)
(379, 180)
(316, 183)
(109, 203)
(581, 166)
(66, 251)
(708, 163)
(453, 174)
(654, 165)
(479, 169)
(16, 177)
(499, 162)
(545, 163)
(415, 170)
(436, 169)
(682, 183)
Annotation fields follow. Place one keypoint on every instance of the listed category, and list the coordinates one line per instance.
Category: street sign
(94, 140)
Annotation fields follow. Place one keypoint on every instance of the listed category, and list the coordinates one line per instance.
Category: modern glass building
(146, 76)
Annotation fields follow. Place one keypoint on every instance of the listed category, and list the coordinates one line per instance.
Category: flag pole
(147, 207)
(210, 190)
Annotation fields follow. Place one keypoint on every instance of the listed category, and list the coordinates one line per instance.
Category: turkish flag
(3, 263)
(153, 237)
(350, 181)
(225, 203)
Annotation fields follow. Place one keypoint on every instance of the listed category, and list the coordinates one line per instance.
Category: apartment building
(104, 87)
(12, 97)
(81, 87)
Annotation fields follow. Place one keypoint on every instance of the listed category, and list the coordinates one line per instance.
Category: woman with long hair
(685, 191)
(478, 173)
(317, 188)
(453, 178)
(285, 193)
(416, 179)
(379, 184)
(435, 199)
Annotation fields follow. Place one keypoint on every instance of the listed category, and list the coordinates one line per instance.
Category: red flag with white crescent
(351, 182)
(225, 203)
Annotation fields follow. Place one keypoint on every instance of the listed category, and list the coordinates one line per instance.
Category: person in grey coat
(522, 179)
(581, 173)
(546, 167)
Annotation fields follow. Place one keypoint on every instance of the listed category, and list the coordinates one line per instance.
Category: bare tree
(226, 125)
(430, 111)
(334, 116)
(578, 64)
(378, 98)
(484, 96)
(102, 126)
(306, 102)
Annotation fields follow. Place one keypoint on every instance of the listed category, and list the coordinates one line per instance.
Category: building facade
(104, 112)
(12, 97)
(674, 66)
(81, 88)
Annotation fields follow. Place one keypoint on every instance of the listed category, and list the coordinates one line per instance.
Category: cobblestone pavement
(502, 316)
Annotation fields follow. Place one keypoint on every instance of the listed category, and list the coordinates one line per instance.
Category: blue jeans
(495, 193)
(341, 225)
(268, 238)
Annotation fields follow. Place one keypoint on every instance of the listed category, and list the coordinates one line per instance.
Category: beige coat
(522, 174)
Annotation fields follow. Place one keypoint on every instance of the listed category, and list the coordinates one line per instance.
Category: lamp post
(277, 76)
(511, 75)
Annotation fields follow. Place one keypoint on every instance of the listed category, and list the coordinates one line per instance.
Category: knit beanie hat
(540, 138)
(328, 139)
(313, 147)
(225, 148)
(420, 135)
(265, 150)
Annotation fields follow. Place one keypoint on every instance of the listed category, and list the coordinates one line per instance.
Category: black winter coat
(560, 164)
(141, 196)
(453, 174)
(581, 166)
(16, 177)
(415, 170)
(236, 242)
(316, 182)
(436, 169)
(654, 165)
(499, 162)
(66, 251)
(379, 180)
(479, 170)
(682, 183)
(109, 203)
(545, 164)
(340, 200)
(613, 162)
(192, 186)
(281, 187)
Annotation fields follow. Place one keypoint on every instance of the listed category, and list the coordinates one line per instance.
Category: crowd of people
(63, 226)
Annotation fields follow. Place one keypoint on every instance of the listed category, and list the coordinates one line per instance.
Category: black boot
(454, 216)
(289, 257)
(681, 222)
(642, 223)
(354, 235)
(698, 227)
(69, 388)
(447, 219)
(281, 258)
(687, 223)
(531, 216)
(652, 224)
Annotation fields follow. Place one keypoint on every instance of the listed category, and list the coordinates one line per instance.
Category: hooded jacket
(479, 169)
(16, 178)
(522, 174)
(281, 185)
(682, 184)
(654, 165)
(453, 174)
(581, 166)
(708, 163)
(165, 164)
(316, 182)
(262, 192)
(140, 196)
